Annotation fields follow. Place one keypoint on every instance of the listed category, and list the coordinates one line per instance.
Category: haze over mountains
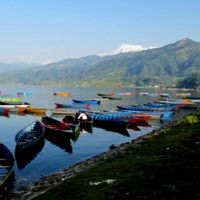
(164, 65)
(15, 66)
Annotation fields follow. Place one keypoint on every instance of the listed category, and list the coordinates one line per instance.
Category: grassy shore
(163, 165)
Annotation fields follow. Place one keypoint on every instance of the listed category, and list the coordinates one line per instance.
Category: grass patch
(164, 166)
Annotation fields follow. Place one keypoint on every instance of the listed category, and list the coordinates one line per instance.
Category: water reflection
(60, 140)
(5, 190)
(117, 129)
(25, 156)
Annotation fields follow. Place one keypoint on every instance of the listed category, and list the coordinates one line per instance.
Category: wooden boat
(55, 126)
(6, 166)
(43, 111)
(30, 135)
(4, 111)
(112, 98)
(25, 156)
(10, 99)
(86, 125)
(24, 94)
(32, 110)
(107, 120)
(124, 93)
(194, 99)
(105, 94)
(89, 101)
(133, 120)
(62, 94)
(155, 114)
(151, 108)
(183, 94)
(179, 103)
(73, 105)
(14, 104)
(16, 109)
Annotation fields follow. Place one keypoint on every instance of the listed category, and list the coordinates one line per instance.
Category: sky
(44, 31)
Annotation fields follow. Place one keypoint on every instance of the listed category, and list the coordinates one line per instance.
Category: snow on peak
(125, 48)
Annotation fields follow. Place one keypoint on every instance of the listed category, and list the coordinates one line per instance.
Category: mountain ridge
(164, 65)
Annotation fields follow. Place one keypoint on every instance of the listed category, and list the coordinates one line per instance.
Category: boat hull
(30, 135)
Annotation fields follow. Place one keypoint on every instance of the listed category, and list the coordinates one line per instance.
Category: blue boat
(30, 135)
(89, 101)
(6, 166)
(72, 105)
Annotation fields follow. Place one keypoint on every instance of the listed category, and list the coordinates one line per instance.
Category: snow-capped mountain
(125, 48)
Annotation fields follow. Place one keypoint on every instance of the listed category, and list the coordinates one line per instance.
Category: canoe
(30, 135)
(10, 99)
(107, 120)
(105, 94)
(151, 108)
(124, 93)
(55, 126)
(16, 109)
(62, 94)
(179, 103)
(183, 94)
(43, 111)
(14, 104)
(112, 98)
(132, 120)
(89, 101)
(150, 115)
(32, 110)
(72, 105)
(86, 125)
(6, 166)
(24, 93)
(24, 157)
(194, 99)
(4, 111)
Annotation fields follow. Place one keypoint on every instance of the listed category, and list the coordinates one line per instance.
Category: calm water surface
(50, 156)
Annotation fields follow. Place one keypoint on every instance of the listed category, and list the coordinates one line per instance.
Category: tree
(191, 81)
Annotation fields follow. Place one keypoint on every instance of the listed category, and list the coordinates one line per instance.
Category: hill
(162, 66)
(10, 67)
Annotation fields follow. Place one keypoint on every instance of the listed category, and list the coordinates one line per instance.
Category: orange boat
(63, 94)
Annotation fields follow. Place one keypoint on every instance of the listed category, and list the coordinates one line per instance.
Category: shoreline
(48, 182)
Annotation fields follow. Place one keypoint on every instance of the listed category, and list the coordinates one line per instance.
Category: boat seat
(4, 166)
(3, 175)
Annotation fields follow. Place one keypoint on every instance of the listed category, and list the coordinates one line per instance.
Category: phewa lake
(52, 156)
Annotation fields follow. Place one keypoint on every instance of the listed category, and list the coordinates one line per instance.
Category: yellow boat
(45, 111)
(183, 94)
(63, 94)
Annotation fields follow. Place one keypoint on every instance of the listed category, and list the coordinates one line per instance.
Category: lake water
(51, 157)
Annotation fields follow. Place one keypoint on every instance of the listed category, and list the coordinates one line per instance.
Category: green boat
(10, 99)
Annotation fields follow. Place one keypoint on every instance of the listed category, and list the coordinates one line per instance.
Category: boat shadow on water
(61, 140)
(116, 129)
(25, 156)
